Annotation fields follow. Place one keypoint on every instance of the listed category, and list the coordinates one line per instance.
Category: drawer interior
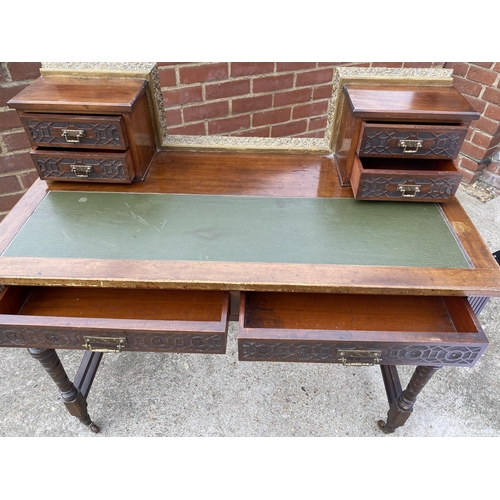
(333, 312)
(408, 164)
(150, 320)
(157, 305)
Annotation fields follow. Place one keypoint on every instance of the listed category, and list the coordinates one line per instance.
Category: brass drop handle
(354, 357)
(73, 136)
(409, 190)
(81, 170)
(104, 344)
(410, 146)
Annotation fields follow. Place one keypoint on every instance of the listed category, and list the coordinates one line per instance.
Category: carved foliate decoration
(101, 169)
(326, 352)
(387, 187)
(96, 134)
(58, 338)
(382, 143)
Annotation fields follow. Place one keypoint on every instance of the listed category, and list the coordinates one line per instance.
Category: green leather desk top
(238, 229)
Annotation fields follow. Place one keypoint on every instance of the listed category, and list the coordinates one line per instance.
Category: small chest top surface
(57, 94)
(409, 103)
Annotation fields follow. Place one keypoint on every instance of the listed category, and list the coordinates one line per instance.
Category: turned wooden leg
(75, 402)
(402, 407)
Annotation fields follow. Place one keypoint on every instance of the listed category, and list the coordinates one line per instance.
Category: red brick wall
(16, 168)
(248, 99)
(480, 83)
(251, 99)
(254, 99)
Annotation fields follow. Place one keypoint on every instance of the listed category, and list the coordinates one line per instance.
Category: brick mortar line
(275, 71)
(11, 130)
(484, 86)
(252, 92)
(208, 120)
(295, 73)
(18, 172)
(253, 127)
(13, 193)
(13, 153)
(475, 129)
(5, 71)
(181, 107)
(475, 160)
(15, 83)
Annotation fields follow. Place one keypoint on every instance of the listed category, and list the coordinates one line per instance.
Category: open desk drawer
(112, 320)
(359, 329)
(400, 179)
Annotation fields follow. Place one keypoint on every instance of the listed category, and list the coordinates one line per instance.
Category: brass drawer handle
(81, 170)
(354, 357)
(104, 344)
(73, 136)
(410, 143)
(409, 190)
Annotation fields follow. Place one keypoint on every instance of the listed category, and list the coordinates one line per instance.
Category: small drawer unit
(401, 142)
(84, 129)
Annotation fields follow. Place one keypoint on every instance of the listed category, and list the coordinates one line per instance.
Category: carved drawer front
(399, 179)
(84, 166)
(74, 131)
(114, 320)
(359, 329)
(416, 141)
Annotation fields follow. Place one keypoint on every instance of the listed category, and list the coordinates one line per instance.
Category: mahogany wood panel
(416, 104)
(296, 175)
(164, 305)
(141, 136)
(347, 141)
(199, 275)
(84, 95)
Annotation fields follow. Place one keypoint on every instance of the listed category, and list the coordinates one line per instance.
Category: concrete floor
(196, 395)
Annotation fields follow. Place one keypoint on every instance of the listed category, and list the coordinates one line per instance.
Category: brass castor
(94, 428)
(383, 428)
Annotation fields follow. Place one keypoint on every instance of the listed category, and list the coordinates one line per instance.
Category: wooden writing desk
(356, 282)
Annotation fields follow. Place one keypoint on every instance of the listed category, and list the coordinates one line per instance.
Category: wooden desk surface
(257, 175)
